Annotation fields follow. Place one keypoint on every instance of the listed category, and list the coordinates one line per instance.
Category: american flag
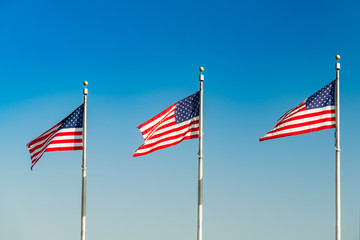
(64, 136)
(313, 114)
(178, 122)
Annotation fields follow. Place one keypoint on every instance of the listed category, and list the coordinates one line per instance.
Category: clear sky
(261, 58)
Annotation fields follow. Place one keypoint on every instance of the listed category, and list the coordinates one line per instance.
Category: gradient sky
(261, 58)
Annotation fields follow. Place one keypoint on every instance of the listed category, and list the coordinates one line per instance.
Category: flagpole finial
(337, 64)
(85, 89)
(201, 76)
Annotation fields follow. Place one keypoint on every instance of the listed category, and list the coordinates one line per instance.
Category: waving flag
(313, 114)
(178, 122)
(64, 136)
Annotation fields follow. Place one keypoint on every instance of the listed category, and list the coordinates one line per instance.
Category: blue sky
(260, 58)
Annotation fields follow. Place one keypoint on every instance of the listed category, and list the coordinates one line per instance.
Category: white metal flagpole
(83, 195)
(337, 156)
(200, 169)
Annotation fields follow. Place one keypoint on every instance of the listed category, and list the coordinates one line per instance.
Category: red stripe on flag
(148, 145)
(74, 133)
(164, 146)
(304, 124)
(64, 149)
(298, 132)
(172, 130)
(66, 141)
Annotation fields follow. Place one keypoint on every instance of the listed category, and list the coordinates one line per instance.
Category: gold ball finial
(337, 57)
(85, 83)
(201, 69)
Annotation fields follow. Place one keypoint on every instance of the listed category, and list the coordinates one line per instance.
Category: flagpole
(337, 156)
(200, 169)
(84, 166)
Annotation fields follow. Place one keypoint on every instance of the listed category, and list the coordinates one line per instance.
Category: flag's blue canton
(187, 108)
(323, 97)
(74, 120)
